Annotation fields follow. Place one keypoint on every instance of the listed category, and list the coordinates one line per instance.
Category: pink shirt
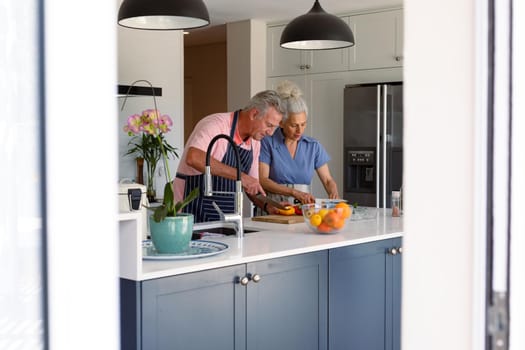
(206, 129)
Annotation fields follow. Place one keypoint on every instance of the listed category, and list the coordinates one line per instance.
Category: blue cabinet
(272, 304)
(365, 296)
(287, 308)
(194, 311)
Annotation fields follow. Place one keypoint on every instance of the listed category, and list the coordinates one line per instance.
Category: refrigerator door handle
(385, 96)
(378, 145)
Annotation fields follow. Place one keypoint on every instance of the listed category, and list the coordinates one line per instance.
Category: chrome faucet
(236, 217)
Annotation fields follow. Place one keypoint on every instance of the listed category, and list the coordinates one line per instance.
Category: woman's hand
(333, 195)
(273, 210)
(303, 197)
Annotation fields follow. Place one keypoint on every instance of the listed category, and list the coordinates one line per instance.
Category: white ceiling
(226, 11)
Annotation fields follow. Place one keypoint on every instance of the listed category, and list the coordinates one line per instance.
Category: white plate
(197, 249)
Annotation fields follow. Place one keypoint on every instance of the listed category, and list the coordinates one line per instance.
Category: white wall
(440, 149)
(246, 69)
(517, 291)
(81, 169)
(246, 51)
(156, 56)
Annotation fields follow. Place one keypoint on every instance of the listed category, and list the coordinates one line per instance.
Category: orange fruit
(334, 220)
(339, 224)
(344, 209)
(324, 228)
(331, 218)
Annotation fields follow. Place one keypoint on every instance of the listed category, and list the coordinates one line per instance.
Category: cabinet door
(203, 310)
(325, 122)
(364, 296)
(396, 295)
(283, 61)
(379, 40)
(287, 308)
(326, 61)
(293, 62)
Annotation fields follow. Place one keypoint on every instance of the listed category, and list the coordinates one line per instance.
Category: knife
(270, 201)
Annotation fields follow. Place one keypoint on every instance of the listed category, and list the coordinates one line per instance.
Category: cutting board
(280, 219)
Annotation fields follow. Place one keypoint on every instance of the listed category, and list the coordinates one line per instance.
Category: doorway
(205, 75)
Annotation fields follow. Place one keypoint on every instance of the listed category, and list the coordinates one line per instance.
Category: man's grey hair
(264, 100)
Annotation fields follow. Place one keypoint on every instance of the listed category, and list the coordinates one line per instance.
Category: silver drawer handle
(400, 250)
(256, 278)
(244, 281)
(399, 58)
(393, 251)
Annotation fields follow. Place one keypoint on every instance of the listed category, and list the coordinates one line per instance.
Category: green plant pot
(173, 234)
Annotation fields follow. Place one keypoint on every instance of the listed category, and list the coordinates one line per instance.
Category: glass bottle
(396, 203)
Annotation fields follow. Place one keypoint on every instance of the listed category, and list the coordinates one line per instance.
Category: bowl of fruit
(328, 217)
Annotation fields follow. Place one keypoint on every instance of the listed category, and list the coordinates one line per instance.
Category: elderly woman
(288, 158)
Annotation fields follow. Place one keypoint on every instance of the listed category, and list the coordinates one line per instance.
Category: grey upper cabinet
(379, 40)
(379, 44)
(293, 62)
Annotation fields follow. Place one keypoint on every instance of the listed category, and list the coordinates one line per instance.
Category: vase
(150, 191)
(140, 171)
(173, 234)
(150, 181)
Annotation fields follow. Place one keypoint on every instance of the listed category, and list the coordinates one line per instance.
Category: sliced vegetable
(288, 211)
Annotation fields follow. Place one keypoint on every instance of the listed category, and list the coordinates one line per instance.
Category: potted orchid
(170, 230)
(148, 142)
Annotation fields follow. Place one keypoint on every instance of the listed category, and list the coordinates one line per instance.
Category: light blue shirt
(309, 156)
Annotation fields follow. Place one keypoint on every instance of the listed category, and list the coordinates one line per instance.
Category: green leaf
(193, 194)
(160, 213)
(168, 193)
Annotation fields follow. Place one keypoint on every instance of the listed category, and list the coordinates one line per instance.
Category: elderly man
(246, 127)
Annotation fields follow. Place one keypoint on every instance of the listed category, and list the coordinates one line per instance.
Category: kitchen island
(270, 241)
(283, 287)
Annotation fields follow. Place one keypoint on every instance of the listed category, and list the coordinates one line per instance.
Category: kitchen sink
(209, 229)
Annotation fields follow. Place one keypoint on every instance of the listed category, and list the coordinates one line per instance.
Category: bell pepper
(288, 211)
(298, 210)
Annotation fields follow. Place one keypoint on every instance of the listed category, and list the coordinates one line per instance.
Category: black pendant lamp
(163, 14)
(317, 30)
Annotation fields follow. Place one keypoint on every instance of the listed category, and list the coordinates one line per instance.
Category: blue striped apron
(202, 208)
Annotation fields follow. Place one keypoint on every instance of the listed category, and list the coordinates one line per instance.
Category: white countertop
(272, 241)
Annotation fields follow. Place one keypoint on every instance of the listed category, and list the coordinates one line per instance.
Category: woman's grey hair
(291, 94)
(265, 99)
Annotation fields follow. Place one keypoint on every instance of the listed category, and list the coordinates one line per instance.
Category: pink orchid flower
(165, 123)
(133, 125)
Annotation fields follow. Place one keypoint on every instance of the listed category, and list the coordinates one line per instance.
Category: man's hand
(251, 185)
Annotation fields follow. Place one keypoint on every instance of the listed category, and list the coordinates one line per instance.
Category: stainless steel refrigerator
(373, 143)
